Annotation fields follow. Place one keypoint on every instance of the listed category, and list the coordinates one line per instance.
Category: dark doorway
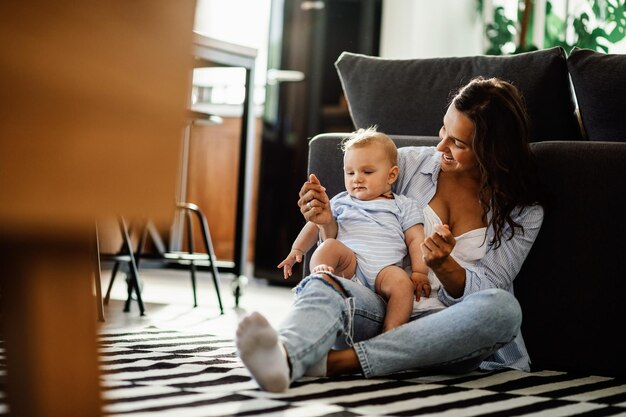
(303, 98)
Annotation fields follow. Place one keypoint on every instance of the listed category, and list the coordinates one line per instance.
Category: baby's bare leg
(334, 256)
(395, 286)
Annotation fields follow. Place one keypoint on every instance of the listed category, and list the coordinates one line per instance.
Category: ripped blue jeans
(451, 340)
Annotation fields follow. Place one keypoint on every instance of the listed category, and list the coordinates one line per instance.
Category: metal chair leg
(206, 237)
(208, 244)
(98, 278)
(107, 296)
(134, 274)
(115, 270)
(190, 247)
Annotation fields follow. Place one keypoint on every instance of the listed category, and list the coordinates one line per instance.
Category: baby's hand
(421, 283)
(294, 256)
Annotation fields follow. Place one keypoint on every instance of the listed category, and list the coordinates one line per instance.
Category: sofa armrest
(573, 282)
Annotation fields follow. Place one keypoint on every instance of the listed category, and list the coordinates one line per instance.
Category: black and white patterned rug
(156, 372)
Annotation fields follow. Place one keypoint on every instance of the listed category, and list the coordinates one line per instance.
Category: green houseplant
(599, 24)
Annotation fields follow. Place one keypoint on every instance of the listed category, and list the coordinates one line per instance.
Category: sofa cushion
(572, 283)
(410, 96)
(599, 82)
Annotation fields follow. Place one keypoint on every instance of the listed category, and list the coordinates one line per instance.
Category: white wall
(243, 22)
(439, 28)
(427, 28)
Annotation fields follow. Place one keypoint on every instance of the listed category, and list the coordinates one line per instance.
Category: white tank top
(470, 247)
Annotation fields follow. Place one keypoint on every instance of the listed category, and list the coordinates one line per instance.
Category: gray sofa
(573, 282)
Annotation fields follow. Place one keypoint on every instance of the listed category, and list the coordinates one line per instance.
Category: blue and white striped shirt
(374, 230)
(418, 172)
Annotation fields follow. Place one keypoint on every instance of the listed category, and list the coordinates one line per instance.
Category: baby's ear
(393, 174)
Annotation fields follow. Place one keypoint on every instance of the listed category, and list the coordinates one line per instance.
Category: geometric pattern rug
(155, 372)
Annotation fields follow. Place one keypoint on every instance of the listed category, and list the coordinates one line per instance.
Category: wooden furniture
(216, 175)
(210, 52)
(92, 111)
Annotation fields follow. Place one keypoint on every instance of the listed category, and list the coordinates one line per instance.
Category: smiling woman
(489, 191)
(457, 137)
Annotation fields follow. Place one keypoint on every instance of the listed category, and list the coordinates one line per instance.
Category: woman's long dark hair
(501, 145)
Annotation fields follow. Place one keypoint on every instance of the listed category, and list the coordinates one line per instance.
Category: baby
(375, 229)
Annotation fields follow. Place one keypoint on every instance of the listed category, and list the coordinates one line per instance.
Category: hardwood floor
(168, 301)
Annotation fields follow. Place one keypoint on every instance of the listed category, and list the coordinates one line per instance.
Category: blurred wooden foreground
(92, 107)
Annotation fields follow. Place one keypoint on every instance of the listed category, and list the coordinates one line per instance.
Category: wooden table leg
(49, 326)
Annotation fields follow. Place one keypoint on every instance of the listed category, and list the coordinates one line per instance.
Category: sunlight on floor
(168, 300)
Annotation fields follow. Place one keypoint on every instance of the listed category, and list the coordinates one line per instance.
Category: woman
(478, 189)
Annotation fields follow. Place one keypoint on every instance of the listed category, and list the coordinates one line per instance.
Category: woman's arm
(328, 230)
(499, 267)
(436, 250)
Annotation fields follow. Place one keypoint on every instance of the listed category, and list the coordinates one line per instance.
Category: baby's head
(368, 137)
(370, 164)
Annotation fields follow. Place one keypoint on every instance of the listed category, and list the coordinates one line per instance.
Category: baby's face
(367, 172)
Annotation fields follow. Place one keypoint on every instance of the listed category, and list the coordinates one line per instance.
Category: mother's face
(457, 136)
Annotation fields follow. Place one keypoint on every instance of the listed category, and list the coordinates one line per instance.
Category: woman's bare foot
(262, 353)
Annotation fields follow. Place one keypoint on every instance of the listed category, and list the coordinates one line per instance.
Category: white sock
(261, 352)
(318, 368)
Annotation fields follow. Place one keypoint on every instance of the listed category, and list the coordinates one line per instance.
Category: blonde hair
(365, 137)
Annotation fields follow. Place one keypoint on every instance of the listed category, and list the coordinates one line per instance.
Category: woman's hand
(314, 202)
(437, 247)
(436, 251)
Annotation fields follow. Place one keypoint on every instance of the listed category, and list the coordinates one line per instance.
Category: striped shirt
(418, 172)
(374, 230)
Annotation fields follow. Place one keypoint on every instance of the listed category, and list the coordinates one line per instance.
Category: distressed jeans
(452, 340)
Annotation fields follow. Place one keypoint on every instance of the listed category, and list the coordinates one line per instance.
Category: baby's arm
(305, 240)
(414, 236)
